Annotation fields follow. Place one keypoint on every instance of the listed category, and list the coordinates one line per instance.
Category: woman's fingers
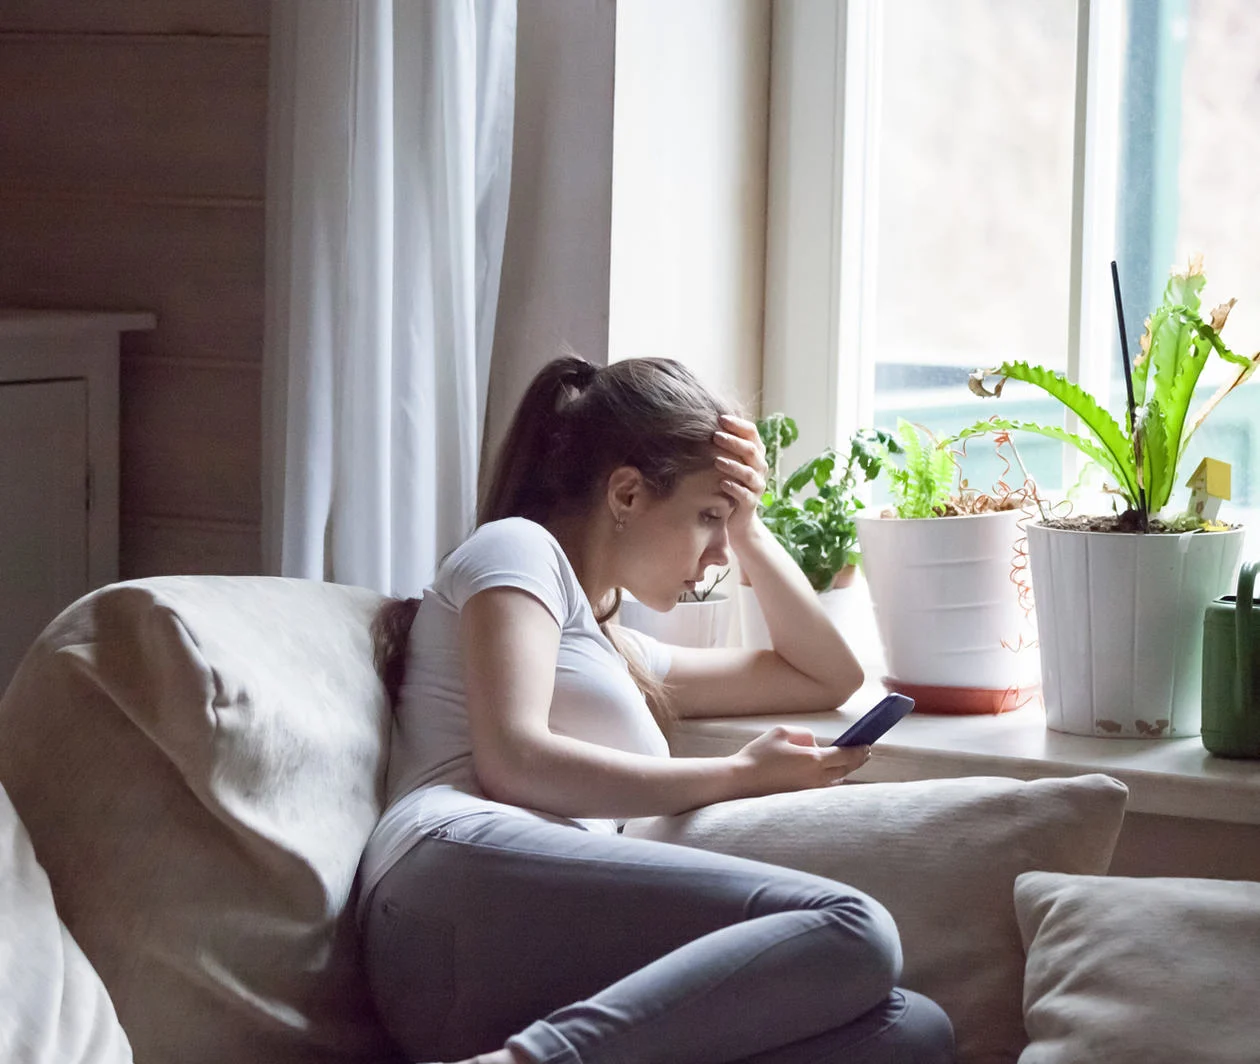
(742, 474)
(745, 499)
(786, 758)
(740, 426)
(741, 450)
(796, 735)
(842, 759)
(743, 465)
(741, 439)
(846, 759)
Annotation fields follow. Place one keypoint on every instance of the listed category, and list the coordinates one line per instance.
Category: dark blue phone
(875, 722)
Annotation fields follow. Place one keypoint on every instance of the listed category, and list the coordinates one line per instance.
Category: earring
(620, 526)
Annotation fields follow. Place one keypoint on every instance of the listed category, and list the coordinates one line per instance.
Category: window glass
(973, 194)
(1190, 178)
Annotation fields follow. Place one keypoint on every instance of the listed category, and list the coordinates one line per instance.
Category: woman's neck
(585, 548)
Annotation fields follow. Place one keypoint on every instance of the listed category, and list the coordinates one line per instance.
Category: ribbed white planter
(688, 624)
(956, 637)
(1121, 626)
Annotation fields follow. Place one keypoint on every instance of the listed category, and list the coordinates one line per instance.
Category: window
(973, 200)
(1190, 175)
(987, 161)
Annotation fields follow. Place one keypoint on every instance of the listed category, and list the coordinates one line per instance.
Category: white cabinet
(58, 465)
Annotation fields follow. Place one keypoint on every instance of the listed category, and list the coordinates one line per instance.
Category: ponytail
(391, 629)
(528, 479)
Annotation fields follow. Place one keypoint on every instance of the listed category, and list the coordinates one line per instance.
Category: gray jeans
(582, 948)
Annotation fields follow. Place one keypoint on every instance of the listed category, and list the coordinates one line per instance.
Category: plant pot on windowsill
(843, 579)
(704, 623)
(1121, 626)
(945, 571)
(956, 636)
(1120, 605)
(845, 602)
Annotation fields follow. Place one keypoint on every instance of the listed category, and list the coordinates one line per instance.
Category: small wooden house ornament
(1208, 485)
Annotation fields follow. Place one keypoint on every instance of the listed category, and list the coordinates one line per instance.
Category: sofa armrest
(200, 761)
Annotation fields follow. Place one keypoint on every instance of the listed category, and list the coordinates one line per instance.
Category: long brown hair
(391, 628)
(576, 423)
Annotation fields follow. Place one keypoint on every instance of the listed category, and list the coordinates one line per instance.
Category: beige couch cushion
(943, 855)
(1140, 971)
(54, 1009)
(199, 761)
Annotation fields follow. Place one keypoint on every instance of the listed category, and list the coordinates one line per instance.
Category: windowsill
(1168, 777)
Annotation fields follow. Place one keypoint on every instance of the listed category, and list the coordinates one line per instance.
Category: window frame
(822, 205)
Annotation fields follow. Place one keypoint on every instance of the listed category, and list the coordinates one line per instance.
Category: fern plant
(811, 511)
(921, 482)
(1144, 453)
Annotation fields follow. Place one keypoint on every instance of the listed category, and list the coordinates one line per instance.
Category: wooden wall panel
(137, 116)
(200, 269)
(136, 16)
(191, 440)
(1179, 846)
(157, 546)
(132, 159)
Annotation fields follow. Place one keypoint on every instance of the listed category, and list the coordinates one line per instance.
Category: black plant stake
(1128, 384)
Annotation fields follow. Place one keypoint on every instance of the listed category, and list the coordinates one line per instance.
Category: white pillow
(1140, 970)
(942, 855)
(55, 1010)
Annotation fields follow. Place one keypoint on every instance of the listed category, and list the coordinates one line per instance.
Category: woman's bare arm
(811, 666)
(510, 644)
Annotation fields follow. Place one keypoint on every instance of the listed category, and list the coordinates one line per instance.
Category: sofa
(192, 765)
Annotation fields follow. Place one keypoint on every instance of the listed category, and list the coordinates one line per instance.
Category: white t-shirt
(430, 780)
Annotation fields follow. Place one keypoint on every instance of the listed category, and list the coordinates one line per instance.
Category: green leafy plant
(921, 482)
(811, 511)
(1141, 456)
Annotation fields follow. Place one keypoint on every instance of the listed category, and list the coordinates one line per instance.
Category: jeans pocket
(411, 973)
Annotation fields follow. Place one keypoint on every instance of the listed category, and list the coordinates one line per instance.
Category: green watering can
(1231, 713)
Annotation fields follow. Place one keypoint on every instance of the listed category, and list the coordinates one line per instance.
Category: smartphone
(876, 721)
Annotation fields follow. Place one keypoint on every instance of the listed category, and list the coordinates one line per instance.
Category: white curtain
(389, 160)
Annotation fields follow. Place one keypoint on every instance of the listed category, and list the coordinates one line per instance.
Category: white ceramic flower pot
(947, 604)
(688, 624)
(1121, 626)
(848, 607)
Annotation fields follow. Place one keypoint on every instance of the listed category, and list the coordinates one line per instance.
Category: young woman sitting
(504, 915)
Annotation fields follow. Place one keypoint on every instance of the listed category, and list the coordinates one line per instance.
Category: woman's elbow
(500, 775)
(847, 684)
(501, 789)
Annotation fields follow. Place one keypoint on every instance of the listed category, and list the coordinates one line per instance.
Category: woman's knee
(922, 1033)
(857, 915)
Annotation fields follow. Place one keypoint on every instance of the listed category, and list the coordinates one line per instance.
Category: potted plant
(811, 513)
(1121, 598)
(945, 570)
(701, 618)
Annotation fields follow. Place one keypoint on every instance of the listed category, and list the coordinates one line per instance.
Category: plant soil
(971, 504)
(1129, 521)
